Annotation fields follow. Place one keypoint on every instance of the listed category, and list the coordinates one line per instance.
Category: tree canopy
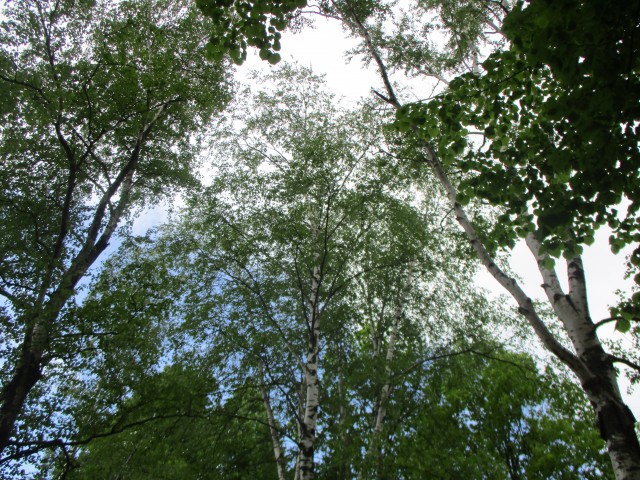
(102, 109)
(229, 289)
(310, 308)
(545, 169)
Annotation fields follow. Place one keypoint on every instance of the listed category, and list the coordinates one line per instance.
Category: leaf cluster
(559, 144)
(236, 25)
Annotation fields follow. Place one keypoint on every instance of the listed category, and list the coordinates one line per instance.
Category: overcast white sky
(323, 49)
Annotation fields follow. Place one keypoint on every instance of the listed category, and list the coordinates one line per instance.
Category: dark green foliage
(239, 24)
(171, 429)
(558, 112)
(499, 417)
(76, 126)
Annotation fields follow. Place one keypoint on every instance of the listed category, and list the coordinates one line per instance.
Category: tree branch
(605, 321)
(353, 18)
(626, 362)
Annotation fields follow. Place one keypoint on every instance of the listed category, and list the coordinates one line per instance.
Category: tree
(102, 107)
(170, 428)
(535, 178)
(208, 401)
(498, 416)
(283, 225)
(207, 326)
(290, 220)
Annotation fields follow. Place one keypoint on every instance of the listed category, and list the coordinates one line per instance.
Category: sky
(323, 49)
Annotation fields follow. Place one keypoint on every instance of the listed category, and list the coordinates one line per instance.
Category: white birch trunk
(615, 420)
(309, 421)
(306, 465)
(374, 453)
(275, 439)
(590, 363)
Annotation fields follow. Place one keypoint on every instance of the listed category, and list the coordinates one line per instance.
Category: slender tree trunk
(307, 424)
(374, 452)
(309, 421)
(344, 456)
(275, 440)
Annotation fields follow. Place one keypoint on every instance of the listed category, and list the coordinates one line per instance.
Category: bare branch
(605, 321)
(353, 18)
(624, 361)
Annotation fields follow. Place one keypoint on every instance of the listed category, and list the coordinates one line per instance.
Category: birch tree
(438, 130)
(277, 240)
(313, 197)
(257, 226)
(101, 105)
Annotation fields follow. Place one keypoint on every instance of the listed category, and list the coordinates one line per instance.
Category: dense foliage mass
(310, 309)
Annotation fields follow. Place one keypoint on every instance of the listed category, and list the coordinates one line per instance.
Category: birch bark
(273, 431)
(309, 420)
(614, 418)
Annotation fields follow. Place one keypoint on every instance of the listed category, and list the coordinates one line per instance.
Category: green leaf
(623, 325)
(548, 263)
(264, 54)
(274, 58)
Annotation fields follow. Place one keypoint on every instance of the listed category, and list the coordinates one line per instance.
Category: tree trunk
(28, 369)
(14, 393)
(614, 419)
(617, 426)
(275, 440)
(309, 421)
(590, 363)
(374, 452)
